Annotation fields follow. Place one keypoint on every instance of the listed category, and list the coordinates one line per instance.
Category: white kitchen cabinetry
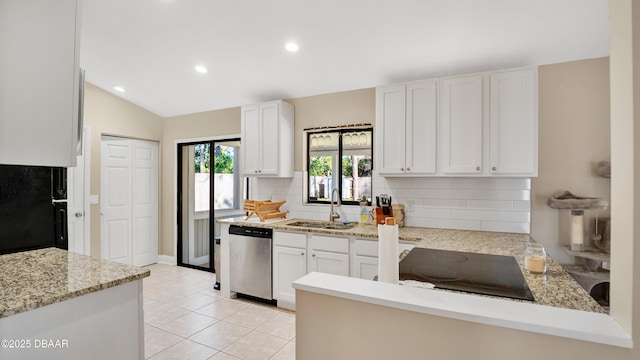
(406, 120)
(514, 130)
(267, 139)
(40, 86)
(328, 255)
(462, 112)
(289, 264)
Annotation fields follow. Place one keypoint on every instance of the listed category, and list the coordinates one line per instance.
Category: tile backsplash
(486, 204)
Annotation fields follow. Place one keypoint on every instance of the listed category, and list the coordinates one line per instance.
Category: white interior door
(145, 202)
(115, 190)
(129, 190)
(77, 202)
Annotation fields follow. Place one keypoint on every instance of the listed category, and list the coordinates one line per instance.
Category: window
(340, 159)
(226, 176)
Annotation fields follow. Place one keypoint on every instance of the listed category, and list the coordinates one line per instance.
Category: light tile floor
(186, 319)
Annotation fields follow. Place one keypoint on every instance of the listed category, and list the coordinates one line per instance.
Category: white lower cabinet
(289, 264)
(364, 258)
(329, 255)
(365, 267)
(329, 262)
(297, 254)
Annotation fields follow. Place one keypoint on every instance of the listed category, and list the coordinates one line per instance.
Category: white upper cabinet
(483, 124)
(267, 139)
(462, 125)
(40, 82)
(406, 120)
(514, 127)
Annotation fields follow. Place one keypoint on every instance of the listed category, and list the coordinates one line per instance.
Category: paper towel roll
(388, 264)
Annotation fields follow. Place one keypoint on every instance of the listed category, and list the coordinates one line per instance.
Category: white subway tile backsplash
(460, 194)
(486, 204)
(506, 194)
(430, 183)
(473, 214)
(516, 184)
(490, 204)
(522, 205)
(430, 213)
(459, 224)
(415, 193)
(472, 183)
(445, 203)
(421, 222)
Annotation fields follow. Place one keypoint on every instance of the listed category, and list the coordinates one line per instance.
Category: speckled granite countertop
(555, 288)
(32, 279)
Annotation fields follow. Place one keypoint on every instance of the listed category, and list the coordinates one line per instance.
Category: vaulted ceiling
(150, 47)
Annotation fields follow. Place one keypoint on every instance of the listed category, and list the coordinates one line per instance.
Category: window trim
(339, 156)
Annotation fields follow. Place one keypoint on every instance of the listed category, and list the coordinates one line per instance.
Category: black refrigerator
(33, 208)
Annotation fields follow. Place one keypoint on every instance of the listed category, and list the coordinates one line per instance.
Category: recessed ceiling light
(201, 69)
(292, 47)
(119, 88)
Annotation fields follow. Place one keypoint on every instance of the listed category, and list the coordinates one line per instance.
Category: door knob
(79, 214)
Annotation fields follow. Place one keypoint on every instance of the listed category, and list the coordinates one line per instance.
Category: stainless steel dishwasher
(250, 261)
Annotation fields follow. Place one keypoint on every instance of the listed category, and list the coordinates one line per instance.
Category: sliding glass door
(210, 186)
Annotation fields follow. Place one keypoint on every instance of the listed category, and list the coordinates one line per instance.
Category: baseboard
(166, 259)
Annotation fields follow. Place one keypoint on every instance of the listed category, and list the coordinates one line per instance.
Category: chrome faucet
(332, 214)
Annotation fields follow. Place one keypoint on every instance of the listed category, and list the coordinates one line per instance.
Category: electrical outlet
(409, 205)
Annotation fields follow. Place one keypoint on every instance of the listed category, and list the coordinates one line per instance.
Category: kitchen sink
(320, 225)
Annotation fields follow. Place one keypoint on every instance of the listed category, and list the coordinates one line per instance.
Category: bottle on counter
(535, 258)
(364, 210)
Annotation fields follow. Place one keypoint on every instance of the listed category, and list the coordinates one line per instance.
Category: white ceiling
(150, 47)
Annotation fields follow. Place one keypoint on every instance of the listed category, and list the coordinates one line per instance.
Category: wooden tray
(264, 209)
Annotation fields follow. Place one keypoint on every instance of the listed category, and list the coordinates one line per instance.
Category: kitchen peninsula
(55, 304)
(557, 288)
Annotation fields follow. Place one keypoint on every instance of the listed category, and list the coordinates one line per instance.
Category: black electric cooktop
(496, 275)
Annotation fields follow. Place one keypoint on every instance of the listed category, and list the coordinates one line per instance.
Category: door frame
(86, 195)
(176, 169)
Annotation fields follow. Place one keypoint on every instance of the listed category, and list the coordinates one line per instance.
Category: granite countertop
(32, 279)
(556, 288)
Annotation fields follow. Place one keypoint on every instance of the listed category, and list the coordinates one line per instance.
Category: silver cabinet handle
(494, 168)
(313, 255)
(79, 214)
(401, 169)
(478, 168)
(408, 169)
(302, 253)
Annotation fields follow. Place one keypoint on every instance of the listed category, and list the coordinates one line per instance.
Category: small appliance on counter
(33, 208)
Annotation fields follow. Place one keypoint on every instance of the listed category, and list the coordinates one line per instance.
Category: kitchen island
(60, 305)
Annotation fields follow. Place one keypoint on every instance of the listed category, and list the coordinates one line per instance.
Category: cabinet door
(39, 82)
(251, 139)
(365, 267)
(513, 123)
(289, 264)
(462, 125)
(421, 120)
(269, 138)
(328, 262)
(390, 129)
